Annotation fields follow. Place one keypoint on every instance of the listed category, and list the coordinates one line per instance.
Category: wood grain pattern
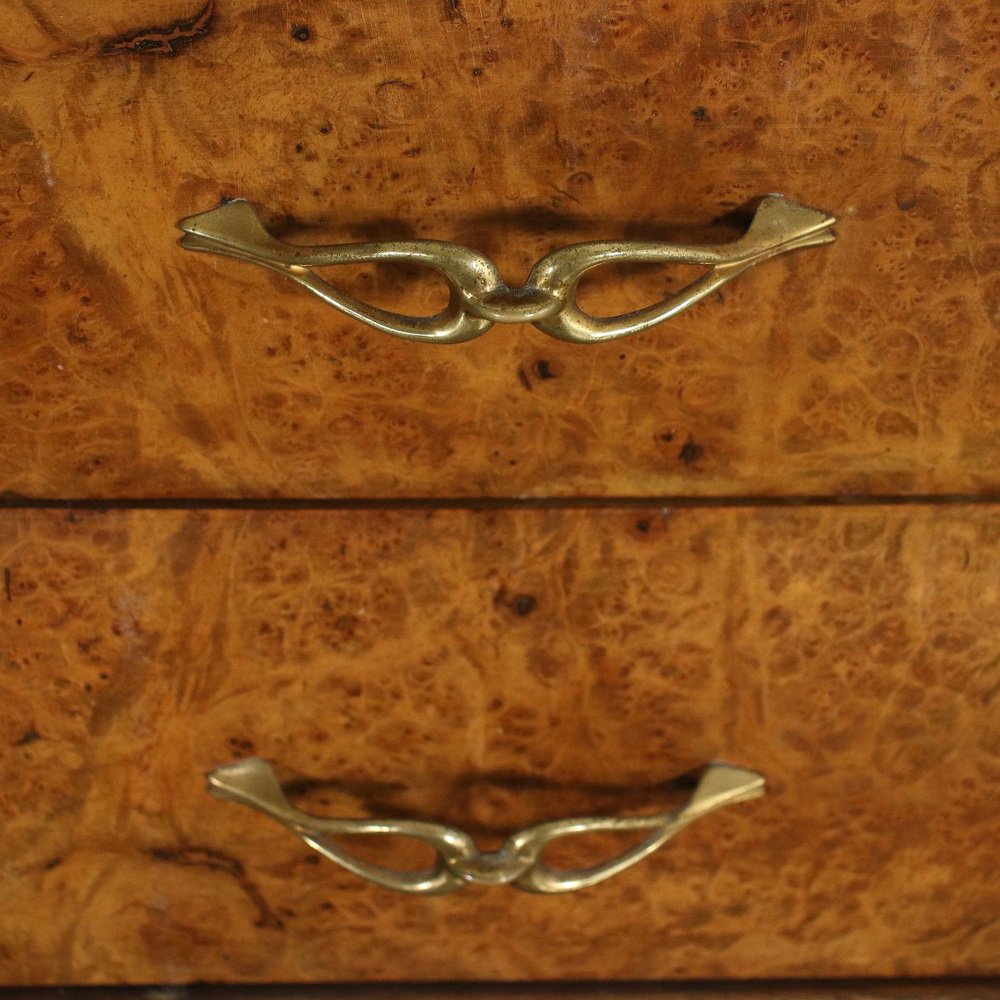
(130, 368)
(490, 670)
(976, 989)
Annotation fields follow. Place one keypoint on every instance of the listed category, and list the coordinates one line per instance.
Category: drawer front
(133, 368)
(491, 670)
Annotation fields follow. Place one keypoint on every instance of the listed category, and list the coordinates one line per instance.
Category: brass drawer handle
(478, 295)
(459, 862)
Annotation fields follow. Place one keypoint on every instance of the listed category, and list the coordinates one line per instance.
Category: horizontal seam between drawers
(16, 502)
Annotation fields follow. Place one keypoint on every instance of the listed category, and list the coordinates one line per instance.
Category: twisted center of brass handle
(459, 862)
(479, 297)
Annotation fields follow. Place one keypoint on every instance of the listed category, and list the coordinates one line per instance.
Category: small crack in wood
(165, 41)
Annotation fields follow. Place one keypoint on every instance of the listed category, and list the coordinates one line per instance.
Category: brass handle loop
(479, 296)
(459, 862)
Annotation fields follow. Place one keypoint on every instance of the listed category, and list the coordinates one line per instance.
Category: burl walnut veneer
(543, 656)
(492, 670)
(129, 368)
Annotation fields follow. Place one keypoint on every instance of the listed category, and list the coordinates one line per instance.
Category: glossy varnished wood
(952, 989)
(129, 368)
(491, 670)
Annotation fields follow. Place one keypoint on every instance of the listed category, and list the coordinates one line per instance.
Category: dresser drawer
(133, 369)
(491, 670)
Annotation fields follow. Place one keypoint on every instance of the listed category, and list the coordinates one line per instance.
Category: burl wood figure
(489, 671)
(131, 369)
(476, 588)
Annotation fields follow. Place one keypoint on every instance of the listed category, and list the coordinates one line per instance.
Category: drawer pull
(459, 862)
(478, 295)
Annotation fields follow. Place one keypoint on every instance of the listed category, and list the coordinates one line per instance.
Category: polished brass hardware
(478, 295)
(459, 862)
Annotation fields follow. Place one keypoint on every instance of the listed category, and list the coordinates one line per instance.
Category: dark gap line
(849, 988)
(16, 502)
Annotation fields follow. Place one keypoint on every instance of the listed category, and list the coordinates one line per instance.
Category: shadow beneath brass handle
(479, 297)
(518, 862)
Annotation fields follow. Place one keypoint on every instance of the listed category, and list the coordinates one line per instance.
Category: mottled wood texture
(490, 670)
(131, 368)
(976, 989)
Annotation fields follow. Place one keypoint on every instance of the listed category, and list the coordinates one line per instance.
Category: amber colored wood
(949, 989)
(491, 670)
(131, 368)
